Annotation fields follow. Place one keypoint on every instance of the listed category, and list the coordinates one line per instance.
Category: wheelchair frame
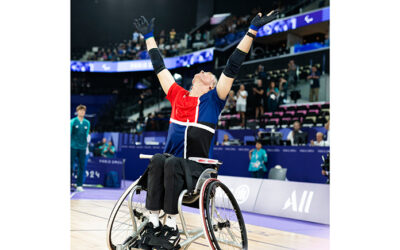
(206, 177)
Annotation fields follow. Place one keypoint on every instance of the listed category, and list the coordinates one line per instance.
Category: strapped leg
(155, 180)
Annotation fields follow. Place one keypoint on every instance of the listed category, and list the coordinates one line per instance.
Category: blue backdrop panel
(303, 163)
(97, 169)
(135, 167)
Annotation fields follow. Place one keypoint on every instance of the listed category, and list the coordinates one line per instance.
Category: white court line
(73, 193)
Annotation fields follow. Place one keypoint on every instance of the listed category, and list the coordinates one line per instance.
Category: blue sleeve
(218, 101)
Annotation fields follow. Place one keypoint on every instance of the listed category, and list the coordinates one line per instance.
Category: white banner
(296, 200)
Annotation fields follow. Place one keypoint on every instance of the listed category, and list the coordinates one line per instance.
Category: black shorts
(259, 101)
(166, 177)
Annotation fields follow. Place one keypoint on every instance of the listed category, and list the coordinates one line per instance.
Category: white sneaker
(79, 189)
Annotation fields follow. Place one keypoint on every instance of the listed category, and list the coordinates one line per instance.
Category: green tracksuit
(79, 133)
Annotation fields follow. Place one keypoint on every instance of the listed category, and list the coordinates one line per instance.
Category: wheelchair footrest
(177, 247)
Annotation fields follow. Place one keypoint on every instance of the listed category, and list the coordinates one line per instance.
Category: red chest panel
(185, 107)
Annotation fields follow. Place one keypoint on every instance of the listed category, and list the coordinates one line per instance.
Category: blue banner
(186, 60)
(294, 22)
(97, 169)
(303, 163)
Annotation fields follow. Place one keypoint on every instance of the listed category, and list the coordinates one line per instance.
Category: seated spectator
(258, 158)
(100, 147)
(225, 142)
(272, 97)
(241, 103)
(320, 141)
(109, 151)
(230, 102)
(296, 136)
(258, 92)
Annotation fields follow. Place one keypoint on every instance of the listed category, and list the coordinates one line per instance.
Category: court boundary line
(265, 243)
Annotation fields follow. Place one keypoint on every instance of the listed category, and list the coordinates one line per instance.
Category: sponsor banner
(294, 22)
(296, 200)
(186, 60)
(97, 169)
(245, 190)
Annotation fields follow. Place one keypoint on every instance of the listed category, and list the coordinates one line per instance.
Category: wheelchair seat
(190, 198)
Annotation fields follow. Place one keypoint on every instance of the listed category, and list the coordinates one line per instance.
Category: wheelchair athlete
(192, 126)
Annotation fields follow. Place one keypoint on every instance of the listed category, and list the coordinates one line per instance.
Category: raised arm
(164, 76)
(238, 56)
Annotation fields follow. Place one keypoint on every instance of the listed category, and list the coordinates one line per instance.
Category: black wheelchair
(223, 226)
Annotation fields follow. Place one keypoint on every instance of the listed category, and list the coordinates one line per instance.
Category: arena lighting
(218, 18)
(294, 22)
(201, 56)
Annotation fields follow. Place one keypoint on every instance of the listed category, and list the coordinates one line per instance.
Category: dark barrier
(303, 163)
(97, 169)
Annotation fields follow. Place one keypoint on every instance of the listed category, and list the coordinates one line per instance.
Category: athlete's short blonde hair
(81, 106)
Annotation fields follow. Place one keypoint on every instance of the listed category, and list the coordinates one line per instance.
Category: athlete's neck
(197, 92)
(80, 118)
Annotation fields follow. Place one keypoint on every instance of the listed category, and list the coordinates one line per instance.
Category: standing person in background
(283, 88)
(258, 92)
(292, 73)
(314, 84)
(172, 35)
(258, 158)
(260, 73)
(272, 97)
(230, 102)
(87, 156)
(109, 151)
(327, 133)
(141, 105)
(241, 103)
(80, 128)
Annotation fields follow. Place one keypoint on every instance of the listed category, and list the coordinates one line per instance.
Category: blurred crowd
(170, 44)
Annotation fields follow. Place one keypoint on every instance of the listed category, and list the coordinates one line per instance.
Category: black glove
(144, 27)
(258, 21)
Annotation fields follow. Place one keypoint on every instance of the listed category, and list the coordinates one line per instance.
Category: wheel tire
(209, 195)
(114, 213)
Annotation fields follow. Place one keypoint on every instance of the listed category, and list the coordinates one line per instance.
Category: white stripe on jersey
(193, 124)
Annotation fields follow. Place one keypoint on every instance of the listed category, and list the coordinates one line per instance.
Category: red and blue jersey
(192, 123)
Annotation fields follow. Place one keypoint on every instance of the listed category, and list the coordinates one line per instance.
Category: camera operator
(325, 168)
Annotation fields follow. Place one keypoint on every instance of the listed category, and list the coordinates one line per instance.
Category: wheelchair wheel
(224, 224)
(127, 218)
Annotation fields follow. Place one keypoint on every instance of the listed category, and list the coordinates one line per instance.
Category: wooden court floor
(89, 221)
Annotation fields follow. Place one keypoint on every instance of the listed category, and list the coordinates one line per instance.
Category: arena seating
(309, 115)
